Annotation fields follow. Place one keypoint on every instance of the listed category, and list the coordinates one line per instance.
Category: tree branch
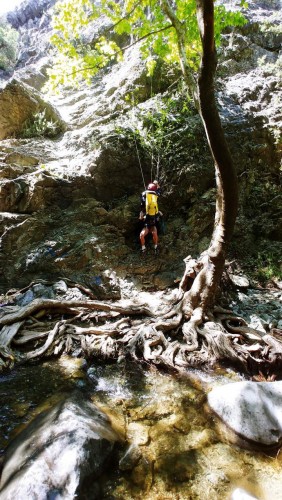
(168, 26)
(113, 26)
(180, 29)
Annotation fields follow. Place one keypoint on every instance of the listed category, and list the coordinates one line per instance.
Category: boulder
(20, 103)
(131, 458)
(39, 189)
(240, 494)
(21, 160)
(58, 451)
(251, 409)
(239, 281)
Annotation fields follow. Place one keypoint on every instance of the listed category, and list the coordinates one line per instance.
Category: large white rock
(59, 452)
(240, 494)
(252, 409)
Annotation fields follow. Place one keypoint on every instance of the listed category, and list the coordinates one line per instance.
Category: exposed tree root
(72, 307)
(166, 337)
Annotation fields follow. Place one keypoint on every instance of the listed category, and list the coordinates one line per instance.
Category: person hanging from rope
(154, 187)
(150, 214)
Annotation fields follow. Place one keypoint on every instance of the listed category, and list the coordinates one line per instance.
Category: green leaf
(144, 20)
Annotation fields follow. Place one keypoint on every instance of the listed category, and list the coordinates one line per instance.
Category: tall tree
(177, 31)
(186, 32)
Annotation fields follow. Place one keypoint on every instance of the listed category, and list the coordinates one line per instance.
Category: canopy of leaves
(8, 46)
(144, 20)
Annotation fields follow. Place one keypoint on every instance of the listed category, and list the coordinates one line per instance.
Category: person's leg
(155, 236)
(143, 234)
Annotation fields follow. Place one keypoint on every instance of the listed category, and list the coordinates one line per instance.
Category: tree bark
(227, 197)
(210, 267)
(226, 178)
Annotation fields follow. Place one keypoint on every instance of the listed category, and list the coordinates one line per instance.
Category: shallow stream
(185, 452)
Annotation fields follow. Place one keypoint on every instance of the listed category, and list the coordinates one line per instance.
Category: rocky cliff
(70, 165)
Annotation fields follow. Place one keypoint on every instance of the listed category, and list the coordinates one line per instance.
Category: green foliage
(263, 263)
(263, 191)
(268, 266)
(169, 137)
(145, 21)
(162, 127)
(225, 18)
(76, 60)
(8, 46)
(40, 126)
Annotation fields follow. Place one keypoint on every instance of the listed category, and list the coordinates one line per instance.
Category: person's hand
(161, 214)
(141, 215)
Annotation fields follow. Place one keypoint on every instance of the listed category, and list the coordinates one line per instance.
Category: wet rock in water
(131, 458)
(240, 494)
(58, 452)
(252, 409)
(139, 433)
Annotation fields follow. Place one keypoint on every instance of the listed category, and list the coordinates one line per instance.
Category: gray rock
(60, 287)
(239, 281)
(240, 494)
(28, 10)
(59, 450)
(41, 291)
(257, 323)
(252, 409)
(24, 298)
(19, 103)
(131, 457)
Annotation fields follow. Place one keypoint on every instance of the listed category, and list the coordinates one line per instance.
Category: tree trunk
(210, 267)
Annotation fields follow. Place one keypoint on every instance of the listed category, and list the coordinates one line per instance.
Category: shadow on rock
(59, 451)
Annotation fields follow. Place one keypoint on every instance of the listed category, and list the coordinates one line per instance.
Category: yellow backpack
(151, 203)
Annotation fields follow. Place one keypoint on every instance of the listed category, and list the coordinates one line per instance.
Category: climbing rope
(152, 151)
(136, 146)
(140, 165)
(151, 90)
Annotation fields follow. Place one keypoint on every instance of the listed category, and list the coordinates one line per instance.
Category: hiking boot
(143, 252)
(156, 250)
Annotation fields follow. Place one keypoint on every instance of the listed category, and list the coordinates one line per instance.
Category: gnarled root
(148, 342)
(178, 335)
(190, 331)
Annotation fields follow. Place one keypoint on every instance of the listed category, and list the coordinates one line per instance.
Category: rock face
(20, 103)
(82, 240)
(58, 451)
(29, 10)
(252, 409)
(70, 203)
